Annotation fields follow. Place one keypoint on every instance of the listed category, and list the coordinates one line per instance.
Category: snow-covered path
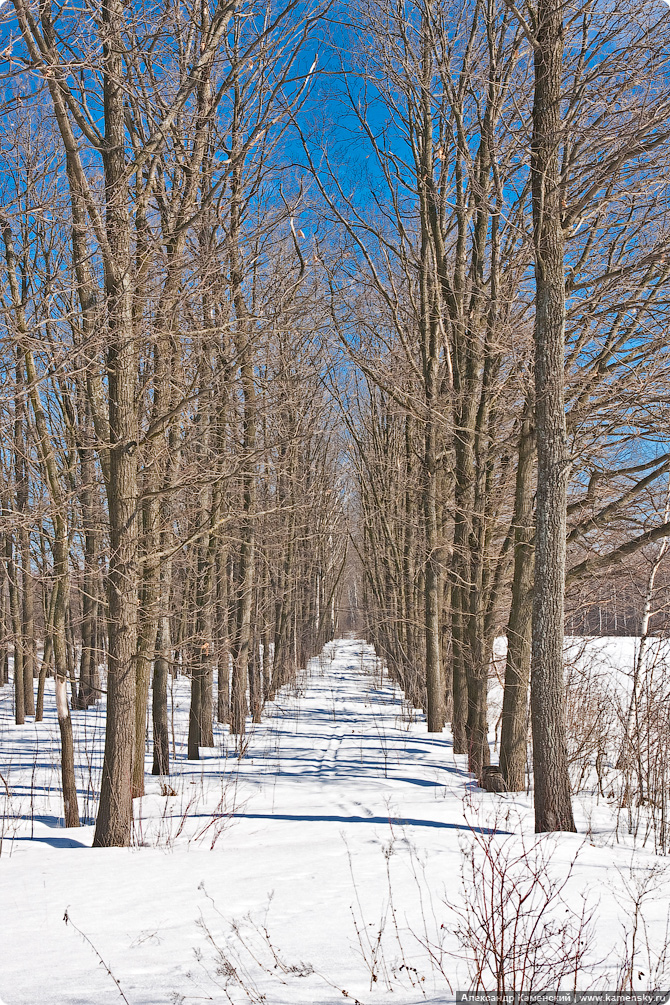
(290, 836)
(312, 870)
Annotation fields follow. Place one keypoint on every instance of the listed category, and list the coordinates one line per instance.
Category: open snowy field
(334, 861)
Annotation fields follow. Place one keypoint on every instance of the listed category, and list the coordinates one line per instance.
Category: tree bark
(244, 632)
(88, 683)
(114, 821)
(23, 539)
(553, 809)
(514, 731)
(244, 349)
(161, 734)
(15, 620)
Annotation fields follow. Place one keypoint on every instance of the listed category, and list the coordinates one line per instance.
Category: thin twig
(68, 921)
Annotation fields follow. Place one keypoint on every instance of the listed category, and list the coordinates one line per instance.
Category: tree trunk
(553, 809)
(161, 735)
(23, 548)
(430, 352)
(514, 732)
(46, 655)
(434, 687)
(114, 821)
(87, 683)
(70, 806)
(4, 627)
(245, 599)
(15, 618)
(149, 620)
(222, 636)
(244, 348)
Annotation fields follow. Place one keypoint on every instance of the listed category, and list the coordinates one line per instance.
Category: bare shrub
(644, 961)
(592, 720)
(382, 943)
(643, 784)
(241, 960)
(516, 928)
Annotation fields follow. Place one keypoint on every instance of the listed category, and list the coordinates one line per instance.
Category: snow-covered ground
(332, 862)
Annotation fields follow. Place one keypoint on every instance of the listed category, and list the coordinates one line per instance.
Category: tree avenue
(315, 325)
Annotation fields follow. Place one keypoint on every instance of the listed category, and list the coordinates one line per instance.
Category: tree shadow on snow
(55, 842)
(392, 821)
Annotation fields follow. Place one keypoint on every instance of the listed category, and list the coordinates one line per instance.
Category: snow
(325, 865)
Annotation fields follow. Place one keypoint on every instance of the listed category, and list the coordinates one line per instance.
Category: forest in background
(270, 285)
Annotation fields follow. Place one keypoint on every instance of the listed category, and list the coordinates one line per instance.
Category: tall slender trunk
(200, 728)
(200, 723)
(255, 680)
(88, 683)
(284, 584)
(70, 806)
(148, 621)
(222, 635)
(23, 539)
(267, 660)
(244, 632)
(114, 821)
(17, 633)
(459, 676)
(163, 651)
(514, 731)
(430, 350)
(553, 809)
(244, 349)
(4, 626)
(434, 687)
(161, 733)
(412, 673)
(47, 655)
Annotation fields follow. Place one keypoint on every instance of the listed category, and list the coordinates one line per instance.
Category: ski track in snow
(262, 879)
